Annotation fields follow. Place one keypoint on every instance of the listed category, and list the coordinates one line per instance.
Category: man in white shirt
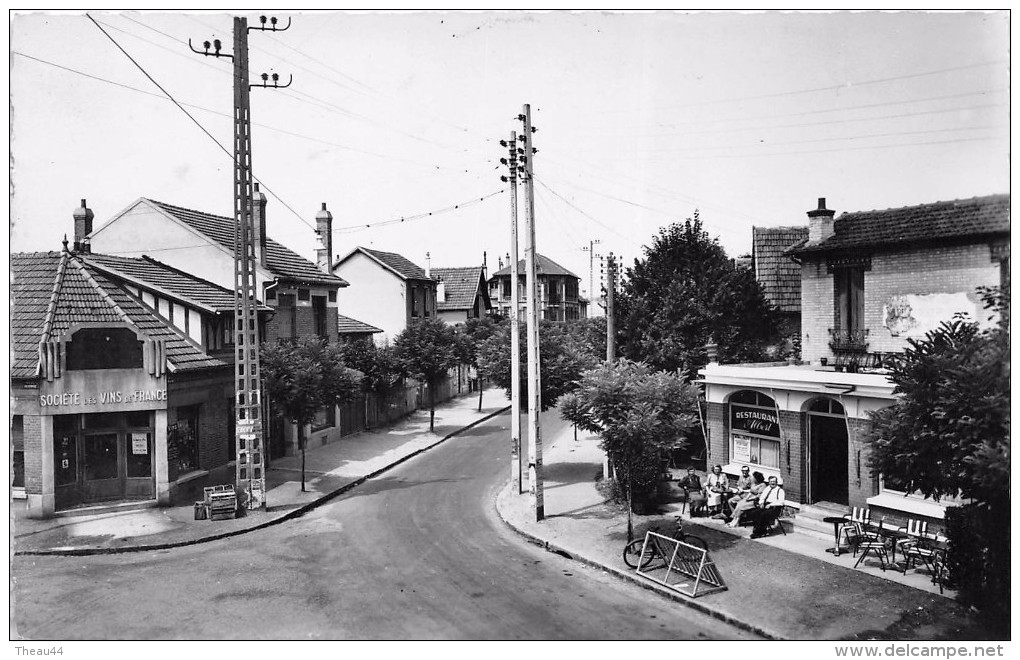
(770, 506)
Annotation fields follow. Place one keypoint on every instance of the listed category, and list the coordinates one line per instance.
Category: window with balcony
(849, 333)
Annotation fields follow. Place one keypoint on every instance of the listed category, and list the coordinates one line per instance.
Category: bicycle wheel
(696, 541)
(632, 554)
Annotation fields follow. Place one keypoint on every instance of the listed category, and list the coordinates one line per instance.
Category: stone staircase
(809, 519)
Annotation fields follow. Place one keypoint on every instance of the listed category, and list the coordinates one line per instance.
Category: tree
(639, 414)
(476, 331)
(426, 350)
(686, 293)
(377, 364)
(563, 357)
(303, 378)
(948, 434)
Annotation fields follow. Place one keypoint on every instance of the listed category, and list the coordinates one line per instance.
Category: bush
(979, 562)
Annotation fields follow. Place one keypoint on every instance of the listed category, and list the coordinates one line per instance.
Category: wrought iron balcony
(843, 341)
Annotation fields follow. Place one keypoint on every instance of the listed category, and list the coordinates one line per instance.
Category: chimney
(428, 265)
(820, 222)
(485, 265)
(82, 228)
(324, 244)
(258, 218)
(500, 262)
(441, 291)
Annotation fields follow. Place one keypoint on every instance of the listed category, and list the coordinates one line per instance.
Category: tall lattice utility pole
(250, 467)
(534, 373)
(590, 249)
(610, 320)
(515, 313)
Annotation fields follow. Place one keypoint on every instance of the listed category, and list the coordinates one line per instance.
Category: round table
(836, 522)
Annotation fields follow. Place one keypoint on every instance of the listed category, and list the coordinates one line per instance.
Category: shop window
(139, 455)
(18, 446)
(104, 348)
(182, 442)
(754, 430)
(100, 456)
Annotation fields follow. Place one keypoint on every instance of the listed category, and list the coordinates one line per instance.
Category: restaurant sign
(754, 420)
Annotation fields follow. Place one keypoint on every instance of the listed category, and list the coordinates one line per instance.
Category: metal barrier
(687, 568)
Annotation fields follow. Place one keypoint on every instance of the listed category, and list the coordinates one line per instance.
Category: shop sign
(754, 420)
(99, 399)
(139, 443)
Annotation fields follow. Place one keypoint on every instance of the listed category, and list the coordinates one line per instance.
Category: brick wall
(792, 454)
(33, 454)
(212, 432)
(860, 489)
(939, 269)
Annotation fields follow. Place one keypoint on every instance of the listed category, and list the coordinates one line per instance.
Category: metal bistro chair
(874, 543)
(853, 529)
(915, 530)
(923, 549)
(940, 570)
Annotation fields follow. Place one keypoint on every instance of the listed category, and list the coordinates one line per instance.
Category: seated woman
(716, 488)
(691, 485)
(749, 498)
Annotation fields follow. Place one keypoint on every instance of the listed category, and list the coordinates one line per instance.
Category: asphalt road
(418, 553)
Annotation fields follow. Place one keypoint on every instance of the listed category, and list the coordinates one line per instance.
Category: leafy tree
(639, 414)
(948, 434)
(686, 293)
(563, 357)
(303, 378)
(476, 331)
(377, 364)
(426, 350)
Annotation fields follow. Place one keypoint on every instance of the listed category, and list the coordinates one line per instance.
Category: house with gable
(111, 401)
(387, 291)
(779, 274)
(461, 293)
(870, 281)
(303, 295)
(558, 291)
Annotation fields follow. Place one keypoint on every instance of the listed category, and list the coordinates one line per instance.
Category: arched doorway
(828, 452)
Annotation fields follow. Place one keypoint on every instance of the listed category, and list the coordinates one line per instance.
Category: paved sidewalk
(781, 587)
(329, 470)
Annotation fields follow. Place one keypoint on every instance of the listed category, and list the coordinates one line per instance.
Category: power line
(593, 219)
(417, 216)
(196, 122)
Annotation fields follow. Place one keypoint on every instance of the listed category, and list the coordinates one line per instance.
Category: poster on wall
(139, 443)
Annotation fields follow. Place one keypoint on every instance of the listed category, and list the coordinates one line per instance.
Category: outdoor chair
(940, 569)
(924, 550)
(874, 543)
(853, 529)
(776, 520)
(916, 529)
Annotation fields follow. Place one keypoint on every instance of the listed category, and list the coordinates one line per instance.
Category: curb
(290, 515)
(693, 604)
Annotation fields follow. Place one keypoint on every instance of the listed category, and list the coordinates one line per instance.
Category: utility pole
(515, 323)
(527, 155)
(590, 249)
(610, 321)
(250, 475)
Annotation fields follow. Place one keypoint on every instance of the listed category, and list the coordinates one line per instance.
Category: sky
(642, 118)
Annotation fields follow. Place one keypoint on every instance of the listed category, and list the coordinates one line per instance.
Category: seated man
(769, 506)
(691, 485)
(744, 483)
(750, 500)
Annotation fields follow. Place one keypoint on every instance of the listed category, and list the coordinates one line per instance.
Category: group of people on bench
(750, 498)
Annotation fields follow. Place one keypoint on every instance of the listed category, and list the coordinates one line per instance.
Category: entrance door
(102, 473)
(829, 457)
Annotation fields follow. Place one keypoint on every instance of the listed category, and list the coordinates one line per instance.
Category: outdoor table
(836, 522)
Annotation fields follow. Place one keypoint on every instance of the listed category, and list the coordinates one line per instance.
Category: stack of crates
(221, 501)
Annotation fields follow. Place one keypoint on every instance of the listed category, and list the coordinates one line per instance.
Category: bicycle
(632, 551)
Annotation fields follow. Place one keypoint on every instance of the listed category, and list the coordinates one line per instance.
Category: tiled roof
(778, 274)
(399, 264)
(939, 221)
(52, 291)
(348, 326)
(461, 287)
(543, 266)
(281, 261)
(146, 271)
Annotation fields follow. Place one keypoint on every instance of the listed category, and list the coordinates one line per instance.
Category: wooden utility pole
(534, 373)
(590, 249)
(515, 323)
(250, 475)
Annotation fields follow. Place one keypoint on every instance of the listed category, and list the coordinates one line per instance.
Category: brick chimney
(82, 228)
(820, 222)
(258, 218)
(324, 245)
